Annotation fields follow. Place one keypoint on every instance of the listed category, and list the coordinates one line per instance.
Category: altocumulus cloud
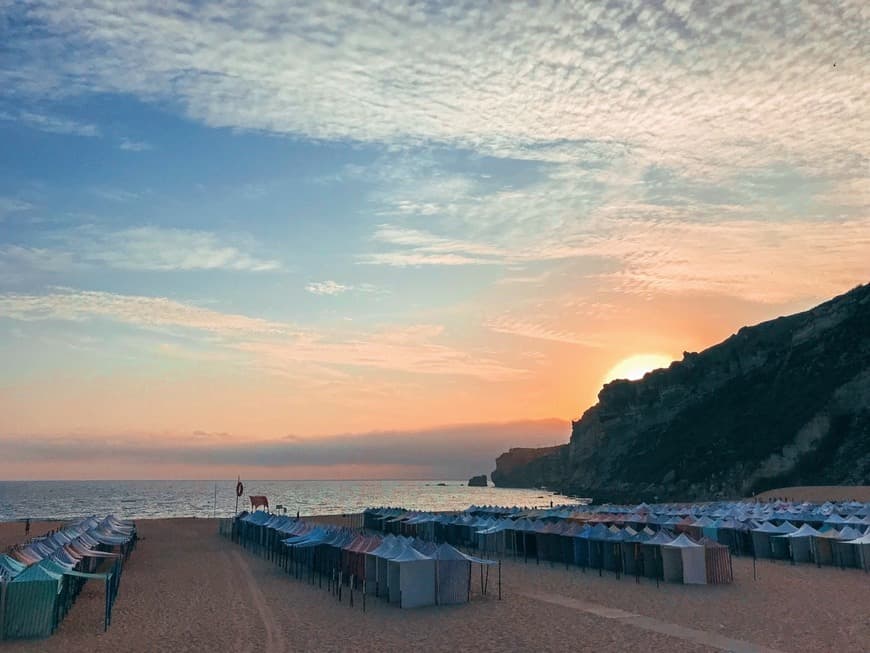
(599, 95)
(676, 81)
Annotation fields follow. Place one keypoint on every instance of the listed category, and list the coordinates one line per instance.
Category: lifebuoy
(239, 489)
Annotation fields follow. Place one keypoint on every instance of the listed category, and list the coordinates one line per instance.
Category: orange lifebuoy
(239, 489)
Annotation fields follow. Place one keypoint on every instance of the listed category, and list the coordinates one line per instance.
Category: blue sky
(260, 219)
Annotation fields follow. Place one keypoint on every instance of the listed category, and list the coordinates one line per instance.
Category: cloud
(148, 312)
(51, 124)
(453, 451)
(713, 96)
(758, 260)
(328, 287)
(541, 330)
(130, 145)
(689, 85)
(19, 264)
(394, 350)
(162, 249)
(115, 194)
(12, 205)
(423, 248)
(275, 347)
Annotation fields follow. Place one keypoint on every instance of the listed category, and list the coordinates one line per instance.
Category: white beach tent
(683, 561)
(376, 565)
(411, 578)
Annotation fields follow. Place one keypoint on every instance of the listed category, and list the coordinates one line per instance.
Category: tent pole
(469, 580)
(106, 616)
(499, 580)
(2, 611)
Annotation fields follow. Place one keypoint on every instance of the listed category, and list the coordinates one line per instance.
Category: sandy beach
(820, 493)
(187, 589)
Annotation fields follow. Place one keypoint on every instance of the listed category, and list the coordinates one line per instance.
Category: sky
(325, 240)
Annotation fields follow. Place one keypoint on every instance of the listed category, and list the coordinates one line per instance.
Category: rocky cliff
(785, 402)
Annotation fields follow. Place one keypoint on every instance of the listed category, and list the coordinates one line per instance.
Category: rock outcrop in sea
(477, 481)
(785, 402)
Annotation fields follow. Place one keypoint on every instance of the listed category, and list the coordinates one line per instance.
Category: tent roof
(682, 542)
(407, 553)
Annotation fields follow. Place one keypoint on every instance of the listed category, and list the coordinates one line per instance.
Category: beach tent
(763, 543)
(651, 553)
(683, 561)
(800, 542)
(30, 609)
(411, 578)
(380, 555)
(632, 558)
(452, 575)
(718, 561)
(10, 567)
(823, 547)
(861, 554)
(843, 554)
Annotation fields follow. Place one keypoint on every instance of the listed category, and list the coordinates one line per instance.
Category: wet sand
(187, 589)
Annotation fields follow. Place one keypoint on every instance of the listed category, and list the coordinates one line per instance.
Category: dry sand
(821, 493)
(187, 589)
(12, 533)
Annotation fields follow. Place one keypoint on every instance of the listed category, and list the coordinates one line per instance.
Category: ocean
(153, 499)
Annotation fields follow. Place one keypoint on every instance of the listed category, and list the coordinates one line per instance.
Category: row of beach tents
(40, 580)
(826, 534)
(407, 571)
(661, 555)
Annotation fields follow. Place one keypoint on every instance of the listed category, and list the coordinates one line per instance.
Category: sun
(634, 367)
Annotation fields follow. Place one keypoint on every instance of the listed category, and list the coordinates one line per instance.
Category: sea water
(154, 499)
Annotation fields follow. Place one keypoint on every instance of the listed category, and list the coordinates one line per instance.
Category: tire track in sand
(241, 637)
(275, 642)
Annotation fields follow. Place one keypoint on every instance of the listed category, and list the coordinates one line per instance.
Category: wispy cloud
(162, 249)
(51, 124)
(143, 311)
(11, 205)
(541, 330)
(130, 145)
(762, 261)
(115, 194)
(328, 287)
(423, 248)
(19, 264)
(273, 346)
